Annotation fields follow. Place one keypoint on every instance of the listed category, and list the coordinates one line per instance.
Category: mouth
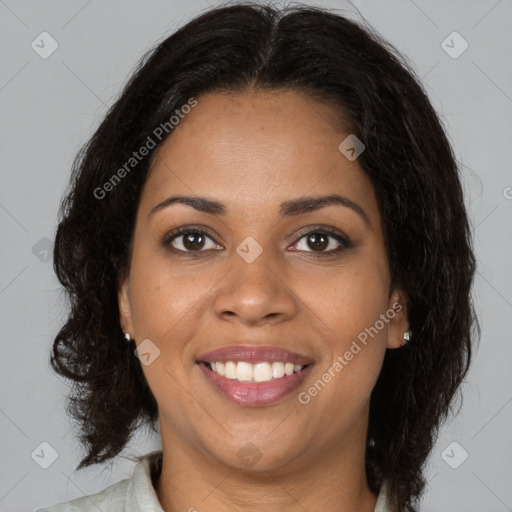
(263, 371)
(254, 375)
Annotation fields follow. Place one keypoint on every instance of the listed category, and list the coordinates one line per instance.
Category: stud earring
(407, 337)
(127, 336)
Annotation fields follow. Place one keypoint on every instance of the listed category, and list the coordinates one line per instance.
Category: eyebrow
(287, 209)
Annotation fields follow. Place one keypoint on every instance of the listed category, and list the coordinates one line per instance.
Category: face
(266, 272)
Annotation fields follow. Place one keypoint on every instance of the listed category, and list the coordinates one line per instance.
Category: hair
(408, 158)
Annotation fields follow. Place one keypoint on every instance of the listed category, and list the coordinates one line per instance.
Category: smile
(254, 375)
(253, 393)
(260, 372)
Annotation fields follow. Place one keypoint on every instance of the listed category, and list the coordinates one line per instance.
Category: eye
(320, 241)
(323, 242)
(188, 240)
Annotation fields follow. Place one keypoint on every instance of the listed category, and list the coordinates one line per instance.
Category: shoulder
(113, 496)
(133, 493)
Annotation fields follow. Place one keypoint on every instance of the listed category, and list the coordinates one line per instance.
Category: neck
(330, 479)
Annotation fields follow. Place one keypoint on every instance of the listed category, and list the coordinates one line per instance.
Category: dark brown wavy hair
(408, 158)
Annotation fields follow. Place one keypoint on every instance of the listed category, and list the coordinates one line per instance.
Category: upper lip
(254, 354)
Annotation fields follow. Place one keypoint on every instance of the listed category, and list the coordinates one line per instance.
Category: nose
(255, 293)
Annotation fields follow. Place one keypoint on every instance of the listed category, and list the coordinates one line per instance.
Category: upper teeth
(259, 372)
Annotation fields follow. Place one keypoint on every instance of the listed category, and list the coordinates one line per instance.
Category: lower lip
(255, 393)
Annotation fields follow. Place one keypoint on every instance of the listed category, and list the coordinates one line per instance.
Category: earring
(127, 336)
(407, 337)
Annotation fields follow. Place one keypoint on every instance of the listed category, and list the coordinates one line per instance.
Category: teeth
(219, 368)
(230, 370)
(259, 372)
(244, 371)
(277, 370)
(262, 372)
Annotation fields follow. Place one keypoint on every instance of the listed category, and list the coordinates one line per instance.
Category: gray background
(49, 108)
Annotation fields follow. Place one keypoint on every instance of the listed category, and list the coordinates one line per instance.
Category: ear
(125, 308)
(399, 323)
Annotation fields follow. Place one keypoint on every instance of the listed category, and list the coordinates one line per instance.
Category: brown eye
(189, 240)
(323, 242)
(193, 241)
(318, 241)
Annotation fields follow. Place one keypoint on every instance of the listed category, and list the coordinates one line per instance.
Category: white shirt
(137, 494)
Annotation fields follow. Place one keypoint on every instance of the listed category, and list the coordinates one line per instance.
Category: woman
(267, 253)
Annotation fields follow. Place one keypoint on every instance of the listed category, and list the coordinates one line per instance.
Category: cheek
(361, 297)
(162, 293)
(166, 306)
(348, 307)
(351, 303)
(348, 299)
(165, 309)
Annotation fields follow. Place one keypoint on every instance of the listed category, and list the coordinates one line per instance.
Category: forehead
(250, 150)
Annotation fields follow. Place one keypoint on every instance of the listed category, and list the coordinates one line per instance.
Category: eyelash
(337, 235)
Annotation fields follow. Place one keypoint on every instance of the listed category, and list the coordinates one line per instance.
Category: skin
(252, 151)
